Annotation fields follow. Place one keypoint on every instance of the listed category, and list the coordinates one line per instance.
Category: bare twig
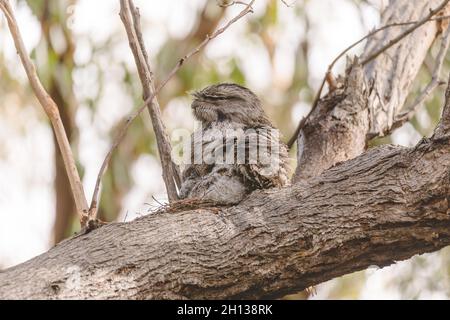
(131, 19)
(434, 83)
(287, 4)
(52, 111)
(415, 25)
(407, 32)
(122, 132)
(225, 4)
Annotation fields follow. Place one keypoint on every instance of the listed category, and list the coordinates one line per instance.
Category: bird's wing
(261, 158)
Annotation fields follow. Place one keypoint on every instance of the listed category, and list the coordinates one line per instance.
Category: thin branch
(175, 170)
(406, 33)
(416, 24)
(130, 17)
(224, 4)
(116, 142)
(287, 4)
(435, 82)
(52, 111)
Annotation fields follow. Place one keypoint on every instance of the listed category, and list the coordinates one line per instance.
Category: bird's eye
(215, 97)
(224, 97)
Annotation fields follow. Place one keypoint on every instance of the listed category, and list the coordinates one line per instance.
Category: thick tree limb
(372, 96)
(52, 111)
(386, 205)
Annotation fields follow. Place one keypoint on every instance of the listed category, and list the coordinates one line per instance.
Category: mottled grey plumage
(223, 109)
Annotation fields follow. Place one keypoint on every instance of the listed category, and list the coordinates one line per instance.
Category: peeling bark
(372, 97)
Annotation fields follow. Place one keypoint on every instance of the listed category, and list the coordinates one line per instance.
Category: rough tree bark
(370, 100)
(385, 205)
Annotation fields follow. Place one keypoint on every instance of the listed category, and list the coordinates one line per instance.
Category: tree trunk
(372, 97)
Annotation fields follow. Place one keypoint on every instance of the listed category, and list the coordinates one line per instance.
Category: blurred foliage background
(82, 55)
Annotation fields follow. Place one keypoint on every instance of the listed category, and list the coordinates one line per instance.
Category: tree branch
(130, 17)
(387, 205)
(328, 74)
(407, 32)
(371, 94)
(52, 111)
(434, 83)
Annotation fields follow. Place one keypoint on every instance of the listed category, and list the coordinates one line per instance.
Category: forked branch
(131, 19)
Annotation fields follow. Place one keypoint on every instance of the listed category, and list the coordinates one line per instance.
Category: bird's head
(228, 102)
